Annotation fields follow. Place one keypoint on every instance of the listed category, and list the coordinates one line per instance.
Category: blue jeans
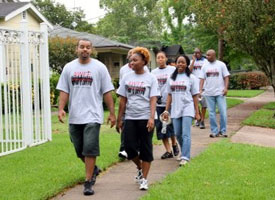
(212, 101)
(182, 128)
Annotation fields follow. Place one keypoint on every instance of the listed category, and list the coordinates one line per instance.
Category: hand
(61, 115)
(119, 124)
(225, 92)
(150, 124)
(193, 57)
(197, 116)
(112, 119)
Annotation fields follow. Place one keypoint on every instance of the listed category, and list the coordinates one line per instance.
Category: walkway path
(118, 182)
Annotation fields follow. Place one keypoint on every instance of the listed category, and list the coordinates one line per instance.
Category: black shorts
(137, 140)
(170, 130)
(85, 138)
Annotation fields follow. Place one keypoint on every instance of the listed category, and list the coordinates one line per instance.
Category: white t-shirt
(85, 85)
(213, 75)
(182, 90)
(162, 76)
(138, 88)
(198, 65)
(125, 69)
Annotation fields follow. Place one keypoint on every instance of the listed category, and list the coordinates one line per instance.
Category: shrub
(248, 80)
(62, 51)
(54, 92)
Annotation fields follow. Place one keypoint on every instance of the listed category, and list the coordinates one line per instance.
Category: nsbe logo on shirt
(82, 78)
(212, 73)
(135, 87)
(178, 86)
(162, 79)
(197, 67)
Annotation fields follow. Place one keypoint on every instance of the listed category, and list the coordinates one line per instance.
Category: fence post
(44, 63)
(2, 71)
(26, 85)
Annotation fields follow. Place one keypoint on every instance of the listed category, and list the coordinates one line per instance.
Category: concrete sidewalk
(117, 183)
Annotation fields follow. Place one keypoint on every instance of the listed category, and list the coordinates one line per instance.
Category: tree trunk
(221, 49)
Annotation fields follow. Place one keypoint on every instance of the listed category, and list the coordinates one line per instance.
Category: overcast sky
(90, 7)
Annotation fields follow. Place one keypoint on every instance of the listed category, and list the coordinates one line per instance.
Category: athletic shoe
(122, 154)
(143, 184)
(222, 134)
(167, 155)
(88, 188)
(179, 158)
(175, 150)
(202, 126)
(213, 136)
(139, 175)
(197, 123)
(183, 163)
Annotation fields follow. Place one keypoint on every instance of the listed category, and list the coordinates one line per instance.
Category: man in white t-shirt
(214, 78)
(84, 82)
(195, 67)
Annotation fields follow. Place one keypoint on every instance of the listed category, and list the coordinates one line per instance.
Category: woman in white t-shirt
(163, 73)
(138, 95)
(182, 94)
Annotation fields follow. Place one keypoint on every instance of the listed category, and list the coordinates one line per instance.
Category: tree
(131, 21)
(175, 12)
(57, 13)
(248, 25)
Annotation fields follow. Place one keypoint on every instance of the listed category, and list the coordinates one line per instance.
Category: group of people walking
(166, 98)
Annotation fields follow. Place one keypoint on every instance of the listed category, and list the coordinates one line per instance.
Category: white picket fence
(25, 115)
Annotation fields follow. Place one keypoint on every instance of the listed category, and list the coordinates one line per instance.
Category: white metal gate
(25, 116)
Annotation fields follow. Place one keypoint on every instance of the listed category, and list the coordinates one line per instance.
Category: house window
(24, 15)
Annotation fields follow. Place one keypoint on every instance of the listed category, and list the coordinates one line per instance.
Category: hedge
(248, 80)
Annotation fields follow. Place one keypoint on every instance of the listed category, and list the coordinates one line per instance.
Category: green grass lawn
(264, 117)
(244, 93)
(45, 170)
(223, 171)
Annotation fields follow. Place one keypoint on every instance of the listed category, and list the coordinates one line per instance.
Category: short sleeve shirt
(214, 74)
(182, 90)
(125, 69)
(162, 76)
(85, 84)
(138, 89)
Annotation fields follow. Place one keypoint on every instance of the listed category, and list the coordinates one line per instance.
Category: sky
(90, 7)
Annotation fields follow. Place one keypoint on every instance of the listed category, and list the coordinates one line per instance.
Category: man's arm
(108, 99)
(226, 82)
(63, 99)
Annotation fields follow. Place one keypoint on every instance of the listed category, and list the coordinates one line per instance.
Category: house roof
(97, 41)
(12, 9)
(173, 50)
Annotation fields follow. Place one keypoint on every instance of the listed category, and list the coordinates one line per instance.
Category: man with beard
(84, 82)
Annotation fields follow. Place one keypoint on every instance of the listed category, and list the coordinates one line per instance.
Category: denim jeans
(212, 101)
(182, 128)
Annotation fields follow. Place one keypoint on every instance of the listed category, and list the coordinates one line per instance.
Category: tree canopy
(248, 25)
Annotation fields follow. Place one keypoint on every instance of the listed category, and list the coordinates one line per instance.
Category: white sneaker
(179, 158)
(139, 175)
(122, 154)
(143, 184)
(183, 163)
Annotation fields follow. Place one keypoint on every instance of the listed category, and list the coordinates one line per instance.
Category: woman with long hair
(183, 90)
